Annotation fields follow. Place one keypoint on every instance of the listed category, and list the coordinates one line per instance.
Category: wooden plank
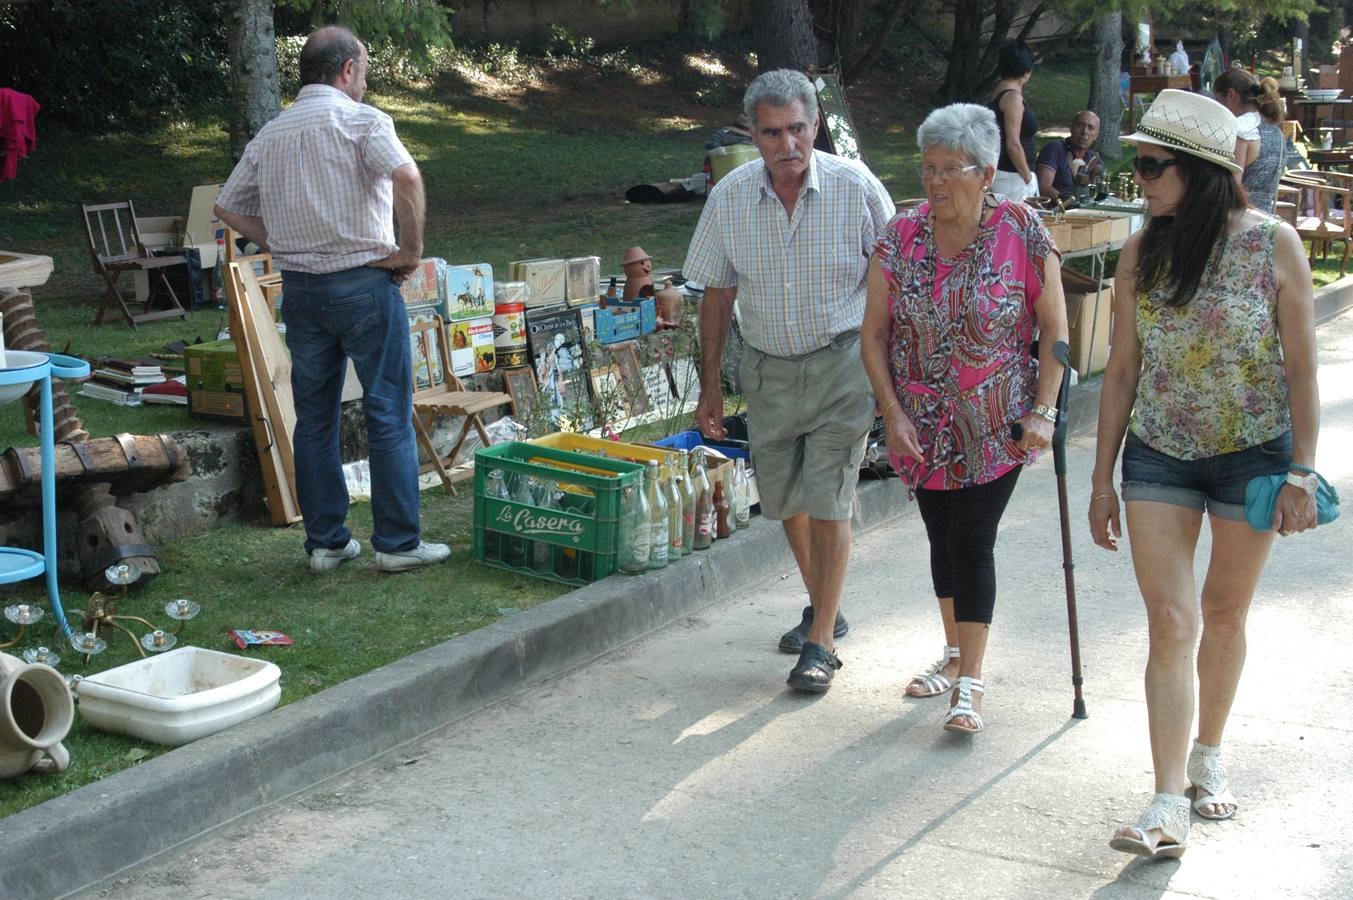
(273, 365)
(19, 270)
(278, 487)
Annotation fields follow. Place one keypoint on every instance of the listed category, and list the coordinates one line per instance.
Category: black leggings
(961, 525)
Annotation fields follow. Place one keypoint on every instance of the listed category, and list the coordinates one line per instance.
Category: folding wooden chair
(438, 392)
(1324, 210)
(115, 247)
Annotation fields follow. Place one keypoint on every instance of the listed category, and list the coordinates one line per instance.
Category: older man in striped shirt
(317, 187)
(790, 235)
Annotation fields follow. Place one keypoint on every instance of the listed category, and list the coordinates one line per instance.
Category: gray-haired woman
(956, 288)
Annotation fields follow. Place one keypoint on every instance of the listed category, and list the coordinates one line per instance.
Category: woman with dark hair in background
(1211, 377)
(1260, 146)
(1015, 168)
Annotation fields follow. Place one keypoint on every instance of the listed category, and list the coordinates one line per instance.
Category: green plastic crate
(576, 544)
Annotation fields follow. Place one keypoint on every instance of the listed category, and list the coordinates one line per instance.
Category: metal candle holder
(102, 610)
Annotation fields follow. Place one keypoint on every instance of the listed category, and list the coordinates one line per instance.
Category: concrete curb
(135, 814)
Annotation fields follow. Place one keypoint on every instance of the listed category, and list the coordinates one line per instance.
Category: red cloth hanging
(18, 130)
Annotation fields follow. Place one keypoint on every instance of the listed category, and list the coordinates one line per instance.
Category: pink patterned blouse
(959, 348)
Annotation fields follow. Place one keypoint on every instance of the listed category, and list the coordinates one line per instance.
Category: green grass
(245, 576)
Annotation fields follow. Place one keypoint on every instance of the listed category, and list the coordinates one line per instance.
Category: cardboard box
(1089, 313)
(199, 230)
(1075, 233)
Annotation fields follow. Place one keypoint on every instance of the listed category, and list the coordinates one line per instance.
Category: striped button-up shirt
(800, 278)
(319, 176)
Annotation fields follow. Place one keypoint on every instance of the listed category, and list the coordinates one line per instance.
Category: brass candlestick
(101, 610)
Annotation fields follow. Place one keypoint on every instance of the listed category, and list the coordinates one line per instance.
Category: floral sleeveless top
(959, 346)
(1212, 377)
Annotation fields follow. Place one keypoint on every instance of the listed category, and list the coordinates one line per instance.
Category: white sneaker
(425, 554)
(324, 560)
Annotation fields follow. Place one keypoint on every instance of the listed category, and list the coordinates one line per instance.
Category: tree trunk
(782, 31)
(961, 77)
(254, 94)
(1105, 94)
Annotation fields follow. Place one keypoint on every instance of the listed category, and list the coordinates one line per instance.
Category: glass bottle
(657, 516)
(704, 503)
(634, 530)
(742, 494)
(495, 488)
(730, 494)
(688, 501)
(542, 559)
(721, 529)
(675, 505)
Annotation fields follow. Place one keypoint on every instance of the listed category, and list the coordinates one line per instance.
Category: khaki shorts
(807, 419)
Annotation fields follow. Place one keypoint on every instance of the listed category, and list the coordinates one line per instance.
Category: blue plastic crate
(689, 440)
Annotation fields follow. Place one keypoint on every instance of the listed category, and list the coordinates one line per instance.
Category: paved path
(680, 765)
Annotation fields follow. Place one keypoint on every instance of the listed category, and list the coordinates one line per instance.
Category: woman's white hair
(962, 128)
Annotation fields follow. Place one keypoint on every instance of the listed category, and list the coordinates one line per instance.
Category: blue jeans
(357, 314)
(1215, 484)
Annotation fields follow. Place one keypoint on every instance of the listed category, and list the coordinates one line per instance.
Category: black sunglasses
(1152, 167)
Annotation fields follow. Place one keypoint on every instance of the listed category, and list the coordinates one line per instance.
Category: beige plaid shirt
(801, 278)
(319, 175)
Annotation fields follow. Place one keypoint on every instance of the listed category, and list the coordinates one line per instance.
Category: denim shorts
(1215, 483)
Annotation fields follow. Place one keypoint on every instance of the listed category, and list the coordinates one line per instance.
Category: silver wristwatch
(1307, 482)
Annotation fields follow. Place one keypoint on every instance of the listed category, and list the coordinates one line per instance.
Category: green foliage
(560, 43)
(127, 64)
(417, 26)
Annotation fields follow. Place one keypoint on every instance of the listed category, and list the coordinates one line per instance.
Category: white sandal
(966, 688)
(1170, 814)
(1210, 784)
(933, 679)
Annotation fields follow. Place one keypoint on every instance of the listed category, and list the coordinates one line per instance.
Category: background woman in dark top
(1015, 168)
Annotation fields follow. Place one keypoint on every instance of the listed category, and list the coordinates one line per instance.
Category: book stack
(121, 381)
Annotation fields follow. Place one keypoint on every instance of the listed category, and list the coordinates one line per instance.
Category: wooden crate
(1075, 233)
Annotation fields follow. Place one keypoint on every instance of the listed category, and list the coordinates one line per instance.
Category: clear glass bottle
(704, 504)
(742, 494)
(657, 517)
(635, 530)
(731, 495)
(675, 505)
(689, 497)
(542, 552)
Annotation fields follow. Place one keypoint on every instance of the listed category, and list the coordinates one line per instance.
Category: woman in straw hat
(1212, 377)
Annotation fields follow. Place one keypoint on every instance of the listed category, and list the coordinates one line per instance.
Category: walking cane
(1063, 353)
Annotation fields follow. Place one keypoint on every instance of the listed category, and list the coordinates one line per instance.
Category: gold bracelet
(1095, 497)
(890, 408)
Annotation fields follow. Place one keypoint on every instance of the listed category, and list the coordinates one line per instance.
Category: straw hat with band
(1189, 123)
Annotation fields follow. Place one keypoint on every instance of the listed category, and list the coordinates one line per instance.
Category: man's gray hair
(780, 88)
(962, 128)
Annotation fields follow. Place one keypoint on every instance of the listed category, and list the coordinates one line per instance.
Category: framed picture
(554, 340)
(469, 292)
(625, 359)
(521, 386)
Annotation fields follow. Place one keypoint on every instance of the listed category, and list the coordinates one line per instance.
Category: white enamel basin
(11, 360)
(179, 696)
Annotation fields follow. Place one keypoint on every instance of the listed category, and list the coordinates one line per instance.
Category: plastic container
(179, 696)
(581, 531)
(723, 160)
(582, 443)
(689, 440)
